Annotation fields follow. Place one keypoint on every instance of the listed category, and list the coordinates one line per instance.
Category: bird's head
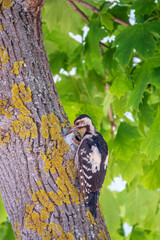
(82, 123)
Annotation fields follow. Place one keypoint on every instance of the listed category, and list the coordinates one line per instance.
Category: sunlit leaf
(107, 20)
(151, 145)
(126, 142)
(151, 177)
(134, 37)
(121, 84)
(142, 76)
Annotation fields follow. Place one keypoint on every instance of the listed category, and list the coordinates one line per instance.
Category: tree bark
(38, 181)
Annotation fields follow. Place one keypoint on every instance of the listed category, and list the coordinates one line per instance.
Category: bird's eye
(77, 123)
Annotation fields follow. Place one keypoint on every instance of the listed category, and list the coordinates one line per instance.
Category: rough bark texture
(37, 177)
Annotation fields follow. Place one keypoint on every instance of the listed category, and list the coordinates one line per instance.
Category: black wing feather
(91, 181)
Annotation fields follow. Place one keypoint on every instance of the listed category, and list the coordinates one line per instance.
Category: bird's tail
(92, 203)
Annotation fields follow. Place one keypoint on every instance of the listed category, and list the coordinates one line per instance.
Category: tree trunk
(38, 181)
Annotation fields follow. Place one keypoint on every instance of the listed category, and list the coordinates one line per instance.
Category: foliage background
(129, 67)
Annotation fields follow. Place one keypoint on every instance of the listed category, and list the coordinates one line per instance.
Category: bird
(91, 160)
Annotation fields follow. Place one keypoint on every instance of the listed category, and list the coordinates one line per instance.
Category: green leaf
(110, 63)
(121, 11)
(3, 215)
(107, 20)
(93, 55)
(90, 90)
(139, 234)
(131, 168)
(156, 77)
(107, 101)
(119, 106)
(143, 7)
(121, 84)
(105, 7)
(151, 176)
(58, 41)
(151, 145)
(153, 27)
(134, 37)
(142, 76)
(58, 60)
(6, 232)
(126, 142)
(146, 112)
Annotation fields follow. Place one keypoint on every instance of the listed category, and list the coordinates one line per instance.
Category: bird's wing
(91, 168)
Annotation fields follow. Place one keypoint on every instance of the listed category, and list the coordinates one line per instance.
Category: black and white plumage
(91, 160)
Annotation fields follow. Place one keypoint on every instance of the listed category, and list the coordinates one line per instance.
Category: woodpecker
(91, 160)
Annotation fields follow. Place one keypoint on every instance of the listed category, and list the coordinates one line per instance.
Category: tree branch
(121, 22)
(78, 10)
(87, 5)
(104, 45)
(84, 17)
(97, 11)
(113, 125)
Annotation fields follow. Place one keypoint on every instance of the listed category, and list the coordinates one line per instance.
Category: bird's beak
(73, 129)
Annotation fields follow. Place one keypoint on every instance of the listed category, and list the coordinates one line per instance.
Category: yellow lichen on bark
(53, 163)
(50, 127)
(37, 221)
(4, 110)
(3, 104)
(1, 28)
(102, 235)
(64, 191)
(21, 95)
(16, 227)
(56, 198)
(47, 235)
(71, 170)
(17, 66)
(91, 218)
(4, 138)
(53, 157)
(67, 187)
(33, 221)
(38, 182)
(58, 233)
(25, 127)
(4, 57)
(6, 3)
(42, 197)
